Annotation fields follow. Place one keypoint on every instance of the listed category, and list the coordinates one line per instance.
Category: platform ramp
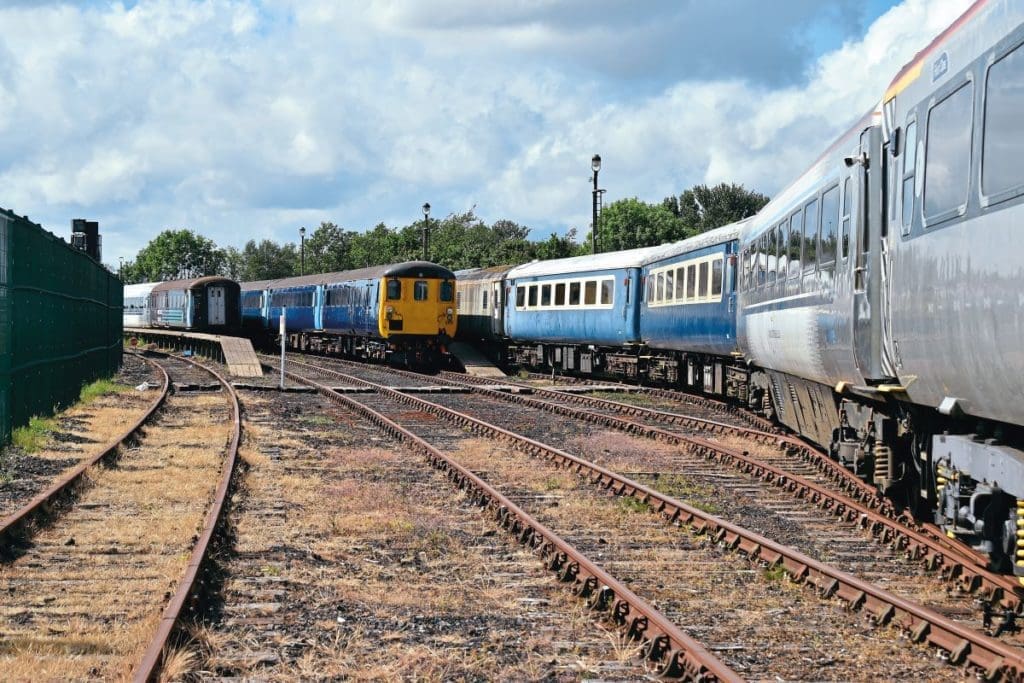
(475, 363)
(235, 352)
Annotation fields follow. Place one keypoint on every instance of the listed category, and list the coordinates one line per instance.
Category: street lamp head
(595, 163)
(426, 209)
(302, 231)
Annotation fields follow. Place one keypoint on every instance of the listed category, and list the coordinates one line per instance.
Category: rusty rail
(15, 525)
(153, 658)
(994, 658)
(677, 654)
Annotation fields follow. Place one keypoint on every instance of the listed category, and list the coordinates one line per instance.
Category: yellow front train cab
(417, 301)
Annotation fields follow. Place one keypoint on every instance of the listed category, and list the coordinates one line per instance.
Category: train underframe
(421, 353)
(965, 475)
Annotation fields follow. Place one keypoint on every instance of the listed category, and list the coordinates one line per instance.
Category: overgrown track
(84, 595)
(962, 644)
(780, 460)
(666, 644)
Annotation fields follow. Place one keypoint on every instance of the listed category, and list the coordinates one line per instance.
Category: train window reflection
(560, 294)
(1003, 147)
(590, 293)
(844, 231)
(702, 280)
(796, 236)
(520, 296)
(659, 287)
(419, 290)
(574, 294)
(394, 289)
(716, 277)
(545, 295)
(691, 282)
(606, 291)
(531, 297)
(947, 159)
(810, 235)
(680, 284)
(829, 221)
(909, 166)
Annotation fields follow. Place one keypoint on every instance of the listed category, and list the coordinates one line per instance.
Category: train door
(319, 295)
(870, 180)
(215, 306)
(497, 310)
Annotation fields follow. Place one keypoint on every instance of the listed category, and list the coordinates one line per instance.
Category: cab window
(447, 288)
(420, 290)
(394, 289)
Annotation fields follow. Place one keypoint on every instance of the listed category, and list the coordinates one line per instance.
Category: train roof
(708, 238)
(140, 289)
(405, 269)
(471, 274)
(631, 258)
(193, 282)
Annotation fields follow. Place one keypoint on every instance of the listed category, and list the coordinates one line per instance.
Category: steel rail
(962, 644)
(153, 658)
(677, 653)
(15, 525)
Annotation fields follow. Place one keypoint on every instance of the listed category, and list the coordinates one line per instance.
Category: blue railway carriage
(205, 304)
(480, 301)
(255, 317)
(688, 314)
(575, 313)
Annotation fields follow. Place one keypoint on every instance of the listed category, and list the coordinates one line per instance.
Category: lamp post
(302, 250)
(595, 164)
(426, 231)
(120, 269)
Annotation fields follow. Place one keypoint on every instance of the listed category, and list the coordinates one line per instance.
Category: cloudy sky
(245, 119)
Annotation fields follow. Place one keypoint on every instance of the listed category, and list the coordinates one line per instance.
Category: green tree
(327, 249)
(268, 260)
(557, 247)
(234, 262)
(374, 247)
(704, 208)
(631, 223)
(176, 254)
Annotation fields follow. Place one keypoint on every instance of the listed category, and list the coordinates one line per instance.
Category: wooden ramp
(476, 363)
(236, 352)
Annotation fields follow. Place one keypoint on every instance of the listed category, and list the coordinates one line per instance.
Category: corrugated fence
(60, 322)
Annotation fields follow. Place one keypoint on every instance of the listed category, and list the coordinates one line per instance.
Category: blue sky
(245, 119)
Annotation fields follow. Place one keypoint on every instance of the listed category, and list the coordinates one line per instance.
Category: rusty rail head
(962, 644)
(14, 525)
(679, 655)
(153, 659)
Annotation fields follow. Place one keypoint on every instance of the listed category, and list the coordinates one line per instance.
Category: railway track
(94, 588)
(959, 642)
(780, 460)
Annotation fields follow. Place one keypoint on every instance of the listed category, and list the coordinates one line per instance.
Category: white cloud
(246, 118)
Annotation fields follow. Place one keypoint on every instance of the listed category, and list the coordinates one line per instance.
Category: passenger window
(810, 235)
(1003, 143)
(574, 294)
(771, 259)
(796, 240)
(909, 166)
(394, 290)
(447, 288)
(947, 159)
(783, 250)
(844, 231)
(716, 278)
(702, 281)
(545, 295)
(531, 297)
(606, 291)
(659, 287)
(669, 284)
(680, 284)
(691, 282)
(560, 294)
(829, 223)
(483, 300)
(520, 296)
(458, 301)
(420, 290)
(590, 293)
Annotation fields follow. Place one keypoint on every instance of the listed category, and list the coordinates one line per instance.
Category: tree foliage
(175, 254)
(704, 208)
(631, 223)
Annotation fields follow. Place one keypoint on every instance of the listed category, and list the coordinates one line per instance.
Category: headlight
(390, 309)
(450, 311)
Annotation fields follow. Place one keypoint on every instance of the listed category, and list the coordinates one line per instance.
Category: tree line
(459, 241)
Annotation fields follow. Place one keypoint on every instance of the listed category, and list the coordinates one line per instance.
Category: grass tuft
(631, 504)
(32, 436)
(101, 387)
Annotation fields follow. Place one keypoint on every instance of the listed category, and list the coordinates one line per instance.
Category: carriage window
(650, 288)
(680, 284)
(829, 223)
(483, 300)
(420, 290)
(947, 160)
(560, 294)
(545, 295)
(844, 230)
(574, 294)
(773, 244)
(532, 296)
(716, 277)
(669, 284)
(702, 280)
(394, 289)
(1003, 144)
(606, 292)
(796, 240)
(909, 166)
(810, 235)
(590, 293)
(458, 301)
(520, 296)
(781, 250)
(447, 287)
(691, 282)
(659, 288)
